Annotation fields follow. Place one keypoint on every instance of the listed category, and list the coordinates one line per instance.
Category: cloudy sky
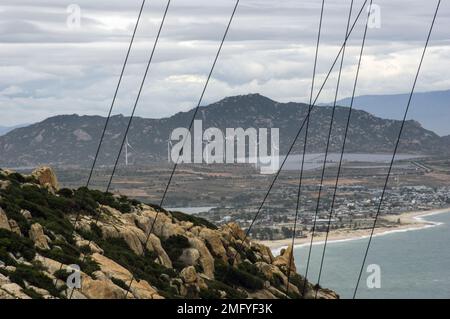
(50, 66)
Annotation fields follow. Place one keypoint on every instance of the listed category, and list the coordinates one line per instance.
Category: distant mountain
(7, 129)
(72, 139)
(431, 109)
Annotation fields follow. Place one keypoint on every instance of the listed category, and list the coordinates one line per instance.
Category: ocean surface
(315, 160)
(413, 264)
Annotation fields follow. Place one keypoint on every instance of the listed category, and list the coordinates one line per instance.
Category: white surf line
(427, 224)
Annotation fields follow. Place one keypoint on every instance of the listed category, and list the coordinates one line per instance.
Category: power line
(115, 95)
(396, 147)
(302, 125)
(134, 109)
(305, 144)
(343, 149)
(77, 217)
(190, 127)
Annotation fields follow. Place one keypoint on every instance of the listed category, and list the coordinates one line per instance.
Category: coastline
(409, 221)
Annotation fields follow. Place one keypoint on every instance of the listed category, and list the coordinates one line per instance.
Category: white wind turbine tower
(127, 145)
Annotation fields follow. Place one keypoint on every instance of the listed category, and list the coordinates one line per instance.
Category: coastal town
(350, 212)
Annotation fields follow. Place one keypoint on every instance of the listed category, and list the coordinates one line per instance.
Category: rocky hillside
(73, 139)
(186, 257)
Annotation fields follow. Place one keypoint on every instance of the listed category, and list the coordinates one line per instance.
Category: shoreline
(409, 221)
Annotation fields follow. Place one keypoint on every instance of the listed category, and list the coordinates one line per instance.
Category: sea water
(412, 264)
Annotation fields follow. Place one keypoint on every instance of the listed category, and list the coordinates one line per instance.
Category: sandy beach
(408, 221)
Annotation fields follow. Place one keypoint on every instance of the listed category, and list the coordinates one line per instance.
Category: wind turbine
(127, 145)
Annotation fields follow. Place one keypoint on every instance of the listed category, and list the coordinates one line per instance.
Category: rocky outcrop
(214, 241)
(286, 260)
(46, 177)
(189, 275)
(4, 223)
(101, 289)
(130, 250)
(38, 237)
(154, 244)
(190, 257)
(206, 259)
(15, 227)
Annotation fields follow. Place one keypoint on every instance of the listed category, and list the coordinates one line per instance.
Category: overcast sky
(50, 67)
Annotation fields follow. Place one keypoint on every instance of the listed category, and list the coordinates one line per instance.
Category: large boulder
(154, 244)
(206, 259)
(189, 275)
(14, 290)
(160, 224)
(140, 289)
(190, 257)
(46, 177)
(15, 227)
(4, 223)
(265, 252)
(215, 243)
(286, 260)
(101, 289)
(38, 237)
(274, 274)
(233, 232)
(111, 268)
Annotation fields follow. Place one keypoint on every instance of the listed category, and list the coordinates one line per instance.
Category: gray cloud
(47, 68)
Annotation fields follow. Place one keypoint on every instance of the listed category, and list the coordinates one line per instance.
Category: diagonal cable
(330, 215)
(302, 125)
(396, 147)
(133, 112)
(305, 142)
(190, 127)
(125, 63)
(343, 145)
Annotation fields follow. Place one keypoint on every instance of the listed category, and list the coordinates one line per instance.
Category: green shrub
(120, 283)
(238, 277)
(62, 274)
(31, 293)
(142, 266)
(13, 243)
(34, 277)
(231, 292)
(209, 294)
(277, 280)
(197, 221)
(174, 246)
(245, 252)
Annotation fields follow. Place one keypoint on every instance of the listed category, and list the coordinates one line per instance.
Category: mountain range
(431, 109)
(72, 139)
